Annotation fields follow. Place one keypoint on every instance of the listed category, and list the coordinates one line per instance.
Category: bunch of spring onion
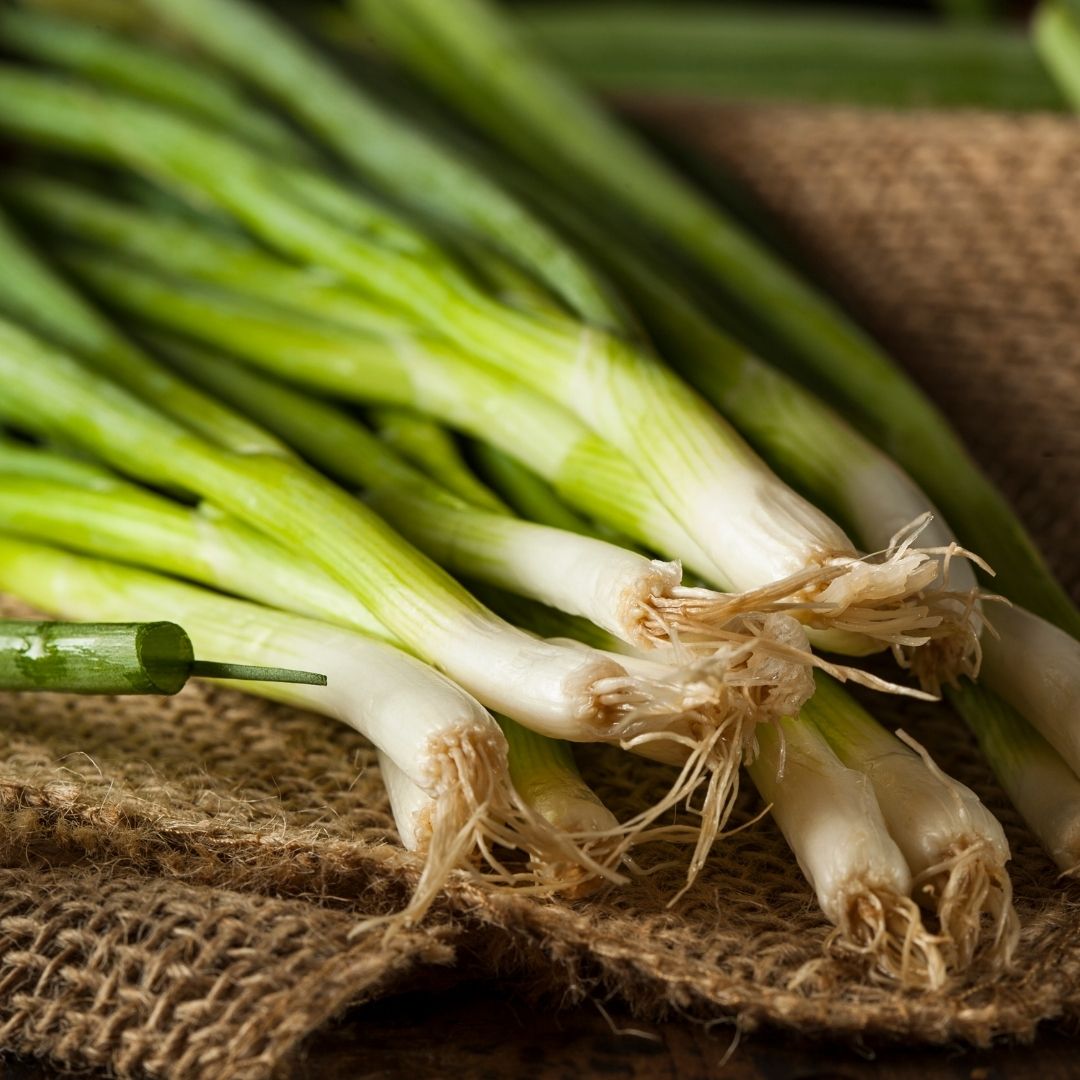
(402, 317)
(753, 668)
(692, 708)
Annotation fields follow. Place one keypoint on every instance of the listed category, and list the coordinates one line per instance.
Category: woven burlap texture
(182, 879)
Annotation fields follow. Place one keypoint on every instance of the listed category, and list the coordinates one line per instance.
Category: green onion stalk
(381, 145)
(32, 293)
(439, 737)
(480, 62)
(432, 449)
(115, 658)
(154, 72)
(1044, 790)
(697, 466)
(741, 52)
(530, 496)
(1056, 30)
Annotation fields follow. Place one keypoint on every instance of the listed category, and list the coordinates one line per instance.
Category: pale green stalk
(1037, 781)
(479, 62)
(381, 145)
(544, 621)
(20, 459)
(627, 594)
(546, 776)
(552, 689)
(176, 245)
(804, 53)
(1056, 30)
(34, 294)
(432, 449)
(322, 433)
(126, 523)
(146, 70)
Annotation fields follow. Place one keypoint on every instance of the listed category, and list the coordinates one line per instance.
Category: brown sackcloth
(181, 879)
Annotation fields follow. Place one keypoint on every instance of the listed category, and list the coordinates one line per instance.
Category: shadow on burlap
(181, 878)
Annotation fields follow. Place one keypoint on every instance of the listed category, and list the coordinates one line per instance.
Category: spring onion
(954, 846)
(831, 819)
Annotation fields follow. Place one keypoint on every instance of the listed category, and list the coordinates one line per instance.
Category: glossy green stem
(114, 658)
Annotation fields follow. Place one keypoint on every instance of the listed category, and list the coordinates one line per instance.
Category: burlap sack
(182, 878)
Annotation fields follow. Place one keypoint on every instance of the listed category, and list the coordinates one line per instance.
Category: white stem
(602, 582)
(1035, 667)
(412, 807)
